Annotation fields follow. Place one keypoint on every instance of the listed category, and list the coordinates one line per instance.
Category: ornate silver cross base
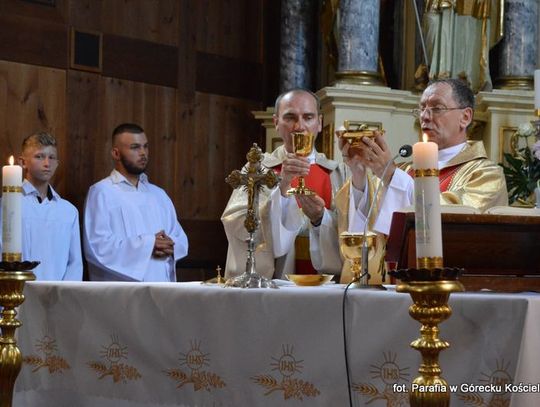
(250, 279)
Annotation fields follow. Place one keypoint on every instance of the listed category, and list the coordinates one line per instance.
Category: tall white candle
(11, 212)
(427, 205)
(537, 89)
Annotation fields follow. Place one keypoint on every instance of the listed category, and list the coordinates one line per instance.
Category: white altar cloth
(186, 344)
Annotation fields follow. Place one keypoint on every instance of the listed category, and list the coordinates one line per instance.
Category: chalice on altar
(302, 145)
(359, 248)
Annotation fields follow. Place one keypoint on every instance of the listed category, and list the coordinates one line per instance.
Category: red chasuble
(317, 180)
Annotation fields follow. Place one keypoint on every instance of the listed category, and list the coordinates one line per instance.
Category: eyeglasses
(433, 111)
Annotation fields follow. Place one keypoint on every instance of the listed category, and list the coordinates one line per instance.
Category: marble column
(358, 44)
(298, 44)
(519, 47)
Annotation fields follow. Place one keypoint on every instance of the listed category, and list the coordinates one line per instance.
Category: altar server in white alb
(131, 232)
(50, 224)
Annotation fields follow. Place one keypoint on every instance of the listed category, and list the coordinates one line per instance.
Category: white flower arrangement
(522, 169)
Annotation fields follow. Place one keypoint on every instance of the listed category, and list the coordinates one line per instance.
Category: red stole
(318, 180)
(446, 175)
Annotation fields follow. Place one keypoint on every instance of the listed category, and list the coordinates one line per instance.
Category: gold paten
(429, 263)
(426, 172)
(11, 296)
(309, 279)
(302, 145)
(430, 308)
(11, 257)
(10, 188)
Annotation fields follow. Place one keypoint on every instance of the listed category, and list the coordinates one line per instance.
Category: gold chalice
(302, 145)
(353, 249)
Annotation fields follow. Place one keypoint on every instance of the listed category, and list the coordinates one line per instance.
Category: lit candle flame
(424, 137)
(11, 160)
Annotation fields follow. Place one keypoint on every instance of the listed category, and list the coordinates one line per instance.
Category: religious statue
(458, 36)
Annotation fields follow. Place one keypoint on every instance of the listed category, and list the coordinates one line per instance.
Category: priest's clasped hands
(163, 245)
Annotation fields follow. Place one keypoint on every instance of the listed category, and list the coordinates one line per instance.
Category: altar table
(186, 344)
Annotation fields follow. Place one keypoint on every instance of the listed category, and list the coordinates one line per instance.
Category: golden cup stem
(11, 296)
(430, 308)
(301, 183)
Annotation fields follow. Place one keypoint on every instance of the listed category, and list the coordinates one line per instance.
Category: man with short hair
(50, 224)
(131, 231)
(283, 242)
(467, 176)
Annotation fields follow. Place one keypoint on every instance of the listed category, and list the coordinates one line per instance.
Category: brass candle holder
(430, 290)
(13, 275)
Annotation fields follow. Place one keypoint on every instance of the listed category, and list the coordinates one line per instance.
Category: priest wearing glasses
(467, 176)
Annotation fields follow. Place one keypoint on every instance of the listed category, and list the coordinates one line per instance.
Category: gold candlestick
(430, 307)
(11, 296)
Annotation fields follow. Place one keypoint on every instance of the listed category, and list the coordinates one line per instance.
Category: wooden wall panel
(228, 76)
(150, 20)
(52, 14)
(33, 41)
(86, 14)
(230, 28)
(88, 155)
(138, 60)
(32, 98)
(225, 131)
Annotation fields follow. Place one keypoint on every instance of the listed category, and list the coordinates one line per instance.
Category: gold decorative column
(430, 291)
(11, 296)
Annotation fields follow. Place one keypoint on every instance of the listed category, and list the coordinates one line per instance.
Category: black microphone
(404, 151)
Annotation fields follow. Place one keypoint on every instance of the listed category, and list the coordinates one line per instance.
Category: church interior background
(201, 79)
